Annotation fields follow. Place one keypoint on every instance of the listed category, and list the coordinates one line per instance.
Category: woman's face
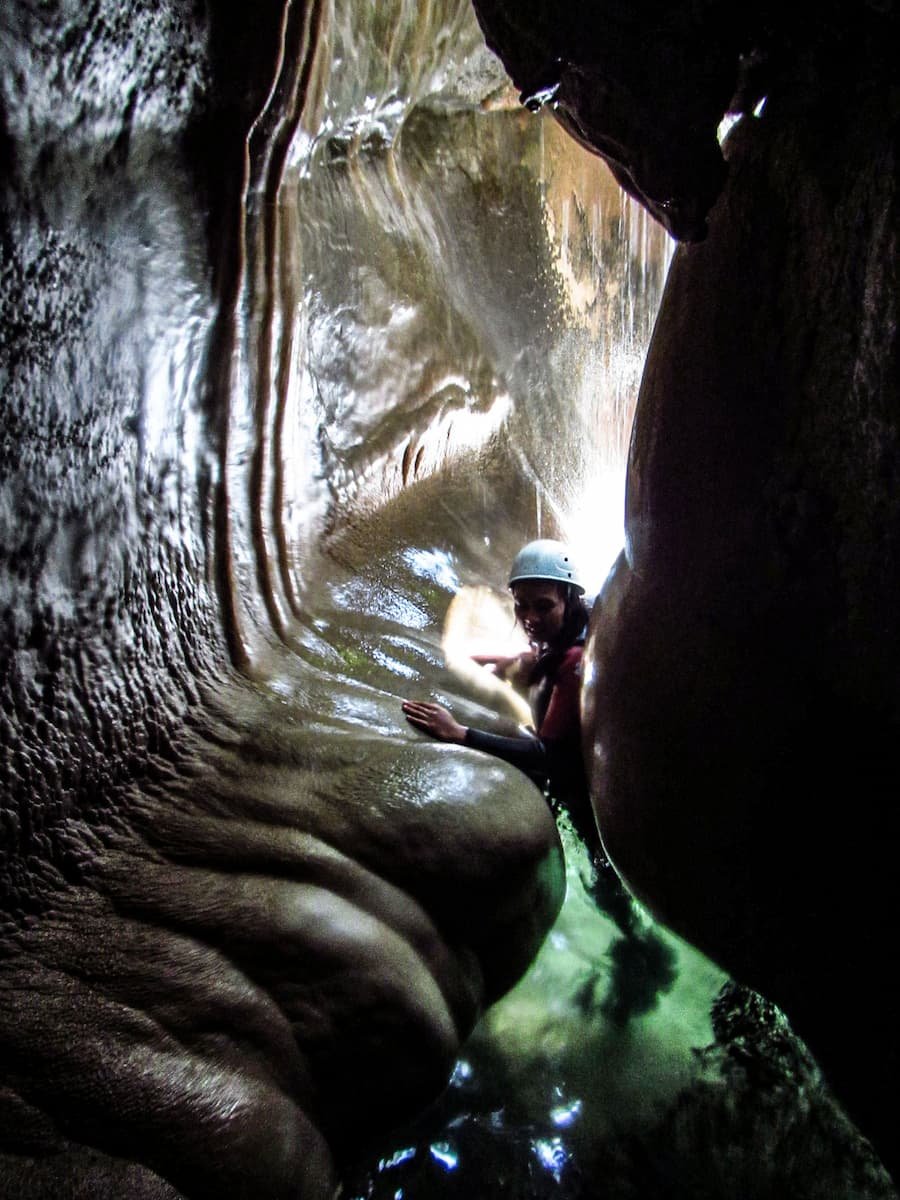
(540, 608)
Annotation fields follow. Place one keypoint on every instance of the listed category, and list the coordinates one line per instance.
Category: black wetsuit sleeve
(527, 753)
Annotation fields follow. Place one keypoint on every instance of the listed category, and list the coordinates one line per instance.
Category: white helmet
(546, 559)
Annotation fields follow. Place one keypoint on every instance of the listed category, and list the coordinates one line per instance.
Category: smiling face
(540, 607)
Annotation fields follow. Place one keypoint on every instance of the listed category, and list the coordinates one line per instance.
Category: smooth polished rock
(211, 966)
(744, 719)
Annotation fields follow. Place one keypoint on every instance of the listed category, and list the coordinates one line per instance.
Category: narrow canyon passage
(307, 325)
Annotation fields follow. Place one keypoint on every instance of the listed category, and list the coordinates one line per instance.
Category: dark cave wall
(762, 518)
(746, 649)
(123, 155)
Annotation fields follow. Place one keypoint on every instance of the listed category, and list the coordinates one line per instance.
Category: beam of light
(594, 525)
(480, 621)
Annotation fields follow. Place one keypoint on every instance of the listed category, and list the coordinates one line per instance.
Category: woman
(548, 602)
(549, 605)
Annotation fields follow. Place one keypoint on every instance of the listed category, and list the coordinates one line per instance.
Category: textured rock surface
(245, 919)
(210, 963)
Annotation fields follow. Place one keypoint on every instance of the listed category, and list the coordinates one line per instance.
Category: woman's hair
(575, 618)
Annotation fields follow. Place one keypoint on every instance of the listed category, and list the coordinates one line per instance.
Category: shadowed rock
(746, 650)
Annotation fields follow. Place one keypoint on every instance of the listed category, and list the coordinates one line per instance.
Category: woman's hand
(435, 720)
(499, 663)
(507, 666)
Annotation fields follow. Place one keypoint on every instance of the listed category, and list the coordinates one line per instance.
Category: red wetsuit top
(555, 700)
(552, 756)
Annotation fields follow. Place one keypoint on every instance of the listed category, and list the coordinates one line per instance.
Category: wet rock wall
(771, 559)
(172, 860)
(745, 659)
(107, 625)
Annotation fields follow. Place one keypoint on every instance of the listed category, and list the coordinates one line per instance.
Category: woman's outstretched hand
(507, 666)
(435, 720)
(499, 663)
